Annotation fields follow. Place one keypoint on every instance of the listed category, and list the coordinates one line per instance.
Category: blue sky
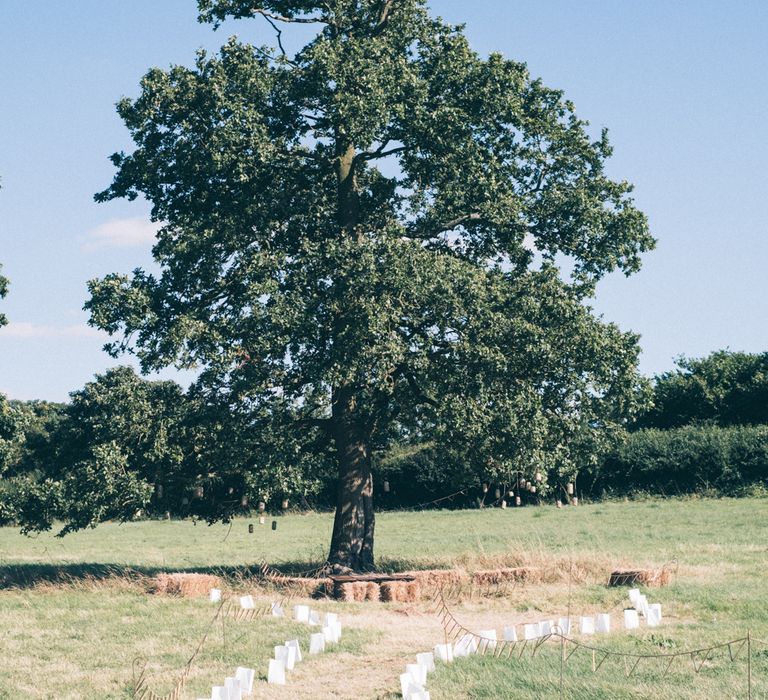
(681, 84)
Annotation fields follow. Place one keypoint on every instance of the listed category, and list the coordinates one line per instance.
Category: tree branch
(295, 20)
(278, 32)
(459, 221)
(418, 392)
(380, 152)
(386, 9)
(323, 423)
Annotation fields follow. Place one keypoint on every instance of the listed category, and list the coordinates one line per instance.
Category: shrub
(690, 459)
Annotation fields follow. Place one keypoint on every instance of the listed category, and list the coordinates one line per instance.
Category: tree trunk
(352, 541)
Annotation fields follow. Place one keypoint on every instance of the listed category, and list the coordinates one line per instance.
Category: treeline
(124, 445)
(704, 430)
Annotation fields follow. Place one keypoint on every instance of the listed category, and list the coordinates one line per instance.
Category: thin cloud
(24, 330)
(121, 233)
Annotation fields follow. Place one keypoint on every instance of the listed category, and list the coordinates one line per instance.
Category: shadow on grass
(31, 575)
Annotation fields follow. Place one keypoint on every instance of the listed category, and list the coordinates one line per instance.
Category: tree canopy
(724, 388)
(363, 240)
(3, 292)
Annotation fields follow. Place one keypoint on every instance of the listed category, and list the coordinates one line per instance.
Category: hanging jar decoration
(570, 488)
(518, 501)
(386, 486)
(538, 477)
(503, 504)
(575, 501)
(244, 501)
(510, 493)
(199, 491)
(485, 488)
(231, 490)
(533, 489)
(498, 494)
(285, 504)
(262, 506)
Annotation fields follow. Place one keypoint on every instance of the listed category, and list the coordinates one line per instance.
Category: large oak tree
(359, 240)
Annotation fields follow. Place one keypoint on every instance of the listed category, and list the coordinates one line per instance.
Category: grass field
(76, 638)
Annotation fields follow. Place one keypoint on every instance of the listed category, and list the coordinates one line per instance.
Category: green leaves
(725, 388)
(378, 215)
(3, 292)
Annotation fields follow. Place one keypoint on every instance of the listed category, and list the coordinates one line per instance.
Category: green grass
(82, 635)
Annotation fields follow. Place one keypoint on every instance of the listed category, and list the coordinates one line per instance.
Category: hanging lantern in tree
(231, 490)
(244, 501)
(485, 488)
(538, 477)
(518, 501)
(386, 486)
(570, 488)
(503, 504)
(533, 489)
(199, 492)
(262, 506)
(498, 494)
(510, 493)
(285, 504)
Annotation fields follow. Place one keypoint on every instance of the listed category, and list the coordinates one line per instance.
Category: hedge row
(684, 460)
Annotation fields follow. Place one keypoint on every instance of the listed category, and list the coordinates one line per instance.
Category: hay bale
(390, 591)
(372, 591)
(494, 577)
(185, 585)
(400, 591)
(360, 590)
(412, 591)
(346, 592)
(431, 578)
(653, 578)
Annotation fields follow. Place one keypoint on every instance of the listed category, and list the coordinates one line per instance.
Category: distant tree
(348, 245)
(10, 433)
(115, 442)
(724, 388)
(3, 292)
(125, 444)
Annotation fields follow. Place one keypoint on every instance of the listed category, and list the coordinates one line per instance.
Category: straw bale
(412, 591)
(185, 585)
(400, 591)
(372, 591)
(431, 578)
(653, 578)
(490, 577)
(390, 591)
(346, 592)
